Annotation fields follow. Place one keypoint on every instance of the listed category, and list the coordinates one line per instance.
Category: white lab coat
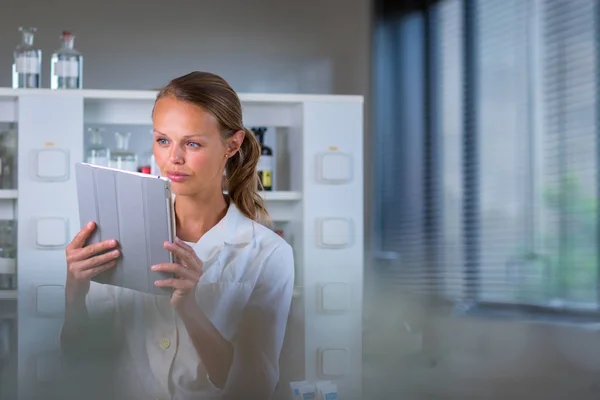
(245, 290)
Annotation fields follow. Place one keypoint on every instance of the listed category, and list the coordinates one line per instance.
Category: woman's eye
(192, 144)
(161, 141)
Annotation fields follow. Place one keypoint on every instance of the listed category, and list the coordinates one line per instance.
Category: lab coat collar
(234, 228)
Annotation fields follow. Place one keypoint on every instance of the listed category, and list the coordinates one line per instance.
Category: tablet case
(135, 209)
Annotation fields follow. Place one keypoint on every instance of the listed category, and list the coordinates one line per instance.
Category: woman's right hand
(84, 262)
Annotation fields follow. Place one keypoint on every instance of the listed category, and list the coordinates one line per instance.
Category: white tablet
(135, 209)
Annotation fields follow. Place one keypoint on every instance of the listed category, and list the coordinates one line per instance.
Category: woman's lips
(177, 177)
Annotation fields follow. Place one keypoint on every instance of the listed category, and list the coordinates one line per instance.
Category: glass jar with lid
(27, 64)
(66, 65)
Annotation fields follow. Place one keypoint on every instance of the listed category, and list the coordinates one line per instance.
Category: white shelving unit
(319, 207)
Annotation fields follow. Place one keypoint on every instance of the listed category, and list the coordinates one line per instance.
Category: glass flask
(27, 64)
(96, 153)
(66, 65)
(121, 157)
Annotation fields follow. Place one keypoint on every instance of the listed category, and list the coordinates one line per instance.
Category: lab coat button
(164, 343)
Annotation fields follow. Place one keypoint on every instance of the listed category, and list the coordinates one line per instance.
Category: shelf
(283, 206)
(8, 294)
(281, 196)
(8, 194)
(101, 94)
(274, 98)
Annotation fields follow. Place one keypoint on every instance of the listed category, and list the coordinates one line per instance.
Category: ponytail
(242, 180)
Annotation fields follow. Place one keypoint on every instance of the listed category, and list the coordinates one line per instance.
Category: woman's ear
(235, 142)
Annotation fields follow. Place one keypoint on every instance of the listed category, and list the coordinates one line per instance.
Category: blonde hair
(216, 96)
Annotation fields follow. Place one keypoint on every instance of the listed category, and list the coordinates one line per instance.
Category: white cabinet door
(50, 141)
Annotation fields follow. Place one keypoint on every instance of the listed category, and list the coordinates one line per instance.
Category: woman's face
(188, 147)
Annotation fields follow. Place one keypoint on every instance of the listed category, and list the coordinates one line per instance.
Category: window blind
(568, 175)
(450, 33)
(531, 188)
(399, 107)
(501, 110)
(527, 203)
(487, 119)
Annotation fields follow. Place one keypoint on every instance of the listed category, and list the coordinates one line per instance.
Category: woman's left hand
(187, 271)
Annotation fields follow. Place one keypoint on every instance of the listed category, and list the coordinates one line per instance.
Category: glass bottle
(121, 157)
(265, 162)
(27, 65)
(8, 156)
(96, 153)
(66, 65)
(8, 255)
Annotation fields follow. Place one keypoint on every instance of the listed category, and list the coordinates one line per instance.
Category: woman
(221, 331)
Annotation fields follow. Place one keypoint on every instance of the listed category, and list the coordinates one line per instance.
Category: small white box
(334, 233)
(334, 167)
(51, 233)
(50, 300)
(52, 164)
(335, 297)
(333, 362)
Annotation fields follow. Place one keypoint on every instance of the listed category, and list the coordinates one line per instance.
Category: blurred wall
(311, 46)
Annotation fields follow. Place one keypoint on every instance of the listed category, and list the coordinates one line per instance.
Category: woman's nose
(176, 156)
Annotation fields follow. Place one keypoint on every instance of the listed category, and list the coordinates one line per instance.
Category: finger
(90, 250)
(97, 260)
(189, 248)
(185, 254)
(176, 269)
(181, 254)
(90, 273)
(183, 244)
(175, 283)
(83, 235)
